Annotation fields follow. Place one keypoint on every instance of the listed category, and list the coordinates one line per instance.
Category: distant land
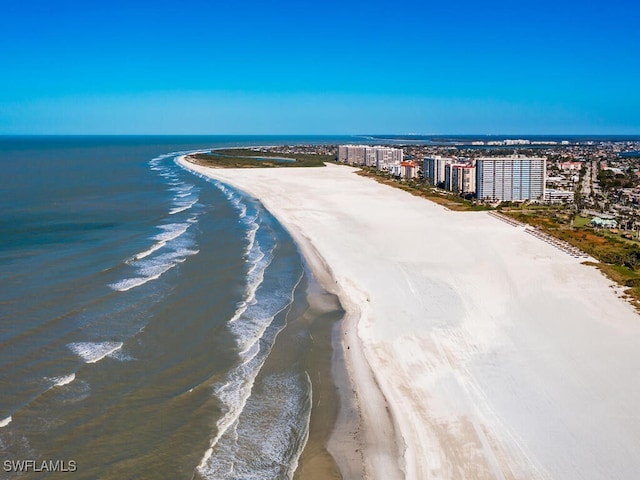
(471, 138)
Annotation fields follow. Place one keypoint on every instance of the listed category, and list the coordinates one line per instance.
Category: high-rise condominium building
(352, 154)
(434, 169)
(461, 178)
(379, 157)
(513, 178)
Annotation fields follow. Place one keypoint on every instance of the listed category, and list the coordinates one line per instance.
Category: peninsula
(260, 158)
(474, 349)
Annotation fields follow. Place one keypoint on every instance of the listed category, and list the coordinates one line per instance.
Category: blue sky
(204, 67)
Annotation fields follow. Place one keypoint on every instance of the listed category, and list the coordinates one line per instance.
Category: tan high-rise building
(379, 157)
(462, 178)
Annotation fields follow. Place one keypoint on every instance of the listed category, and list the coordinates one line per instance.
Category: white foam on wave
(92, 352)
(257, 316)
(251, 328)
(181, 206)
(122, 356)
(236, 199)
(255, 276)
(129, 283)
(255, 321)
(253, 225)
(274, 426)
(250, 324)
(234, 392)
(6, 421)
(183, 188)
(175, 210)
(171, 231)
(153, 268)
(243, 210)
(149, 251)
(150, 267)
(63, 380)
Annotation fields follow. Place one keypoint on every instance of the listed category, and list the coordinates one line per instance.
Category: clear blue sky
(403, 66)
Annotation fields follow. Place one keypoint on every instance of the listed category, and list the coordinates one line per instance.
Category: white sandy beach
(476, 350)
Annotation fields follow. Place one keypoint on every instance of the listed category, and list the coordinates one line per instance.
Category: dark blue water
(139, 308)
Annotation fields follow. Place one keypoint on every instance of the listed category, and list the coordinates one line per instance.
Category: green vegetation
(610, 180)
(249, 158)
(420, 189)
(579, 221)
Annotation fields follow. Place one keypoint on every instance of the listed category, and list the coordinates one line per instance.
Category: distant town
(595, 179)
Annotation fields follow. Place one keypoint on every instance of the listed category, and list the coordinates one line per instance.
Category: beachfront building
(372, 156)
(435, 169)
(386, 157)
(394, 169)
(352, 154)
(460, 178)
(513, 178)
(408, 170)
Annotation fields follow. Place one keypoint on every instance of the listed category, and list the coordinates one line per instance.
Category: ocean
(153, 323)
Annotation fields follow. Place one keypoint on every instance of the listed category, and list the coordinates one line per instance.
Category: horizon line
(400, 135)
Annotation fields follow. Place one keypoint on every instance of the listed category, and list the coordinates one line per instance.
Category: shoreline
(475, 349)
(343, 442)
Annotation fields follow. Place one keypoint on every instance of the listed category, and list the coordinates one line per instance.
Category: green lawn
(581, 221)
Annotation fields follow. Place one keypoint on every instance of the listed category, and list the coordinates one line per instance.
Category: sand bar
(476, 350)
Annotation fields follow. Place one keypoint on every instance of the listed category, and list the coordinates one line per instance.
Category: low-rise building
(552, 195)
(598, 222)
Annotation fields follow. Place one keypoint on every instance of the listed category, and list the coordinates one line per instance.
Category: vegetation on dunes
(254, 158)
(618, 252)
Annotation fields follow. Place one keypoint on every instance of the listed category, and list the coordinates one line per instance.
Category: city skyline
(375, 67)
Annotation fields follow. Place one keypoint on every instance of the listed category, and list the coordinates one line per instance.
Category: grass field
(581, 221)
